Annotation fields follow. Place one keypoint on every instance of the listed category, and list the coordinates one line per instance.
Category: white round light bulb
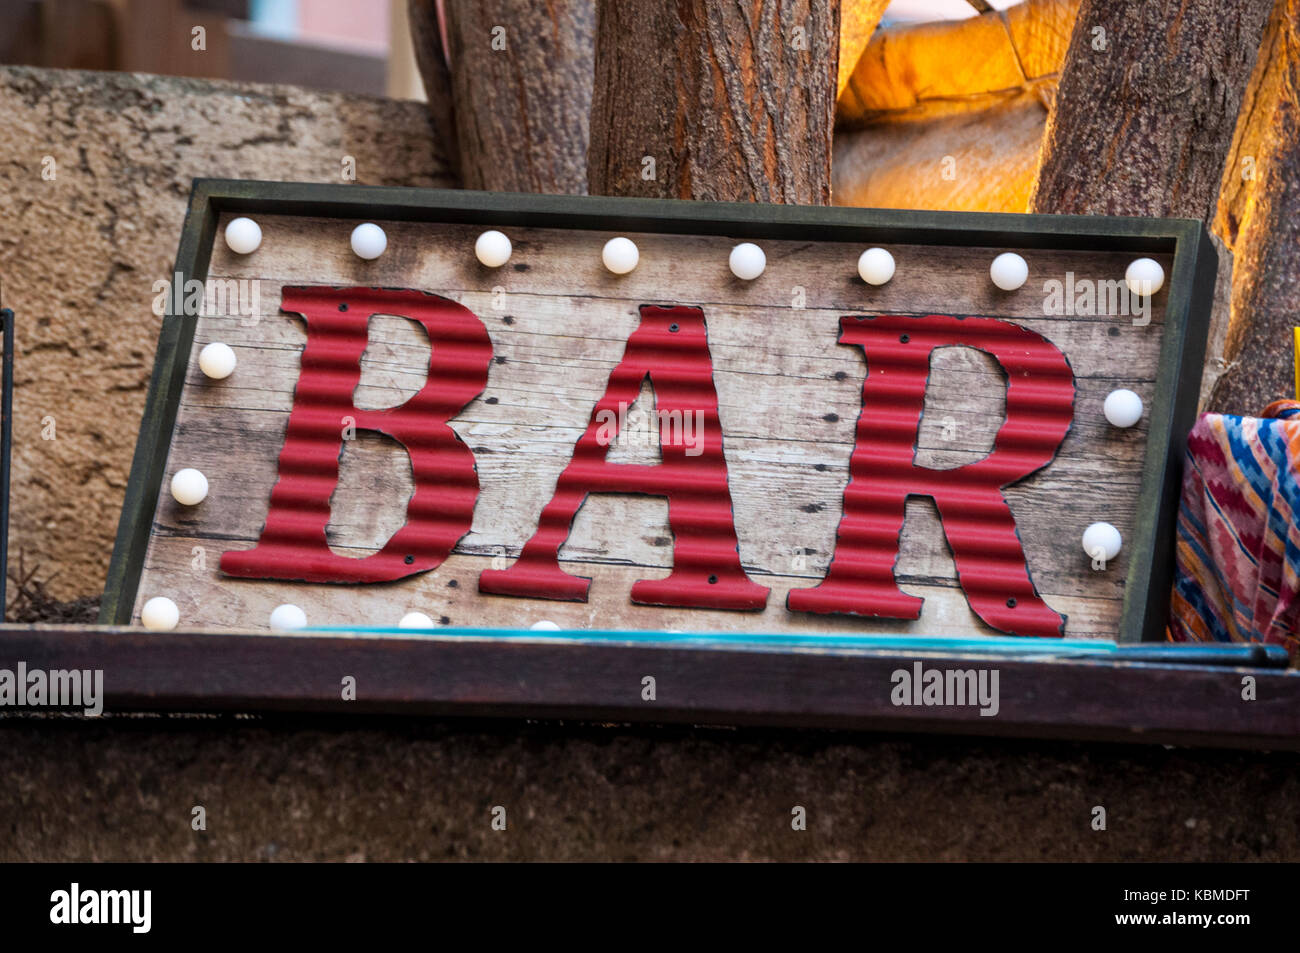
(160, 614)
(1102, 541)
(1144, 277)
(217, 361)
(747, 261)
(876, 266)
(1009, 271)
(369, 241)
(493, 249)
(1122, 408)
(620, 255)
(287, 617)
(189, 487)
(415, 620)
(243, 236)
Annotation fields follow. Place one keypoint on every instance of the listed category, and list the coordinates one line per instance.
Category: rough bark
(706, 99)
(424, 22)
(1147, 105)
(1261, 215)
(519, 74)
(1251, 140)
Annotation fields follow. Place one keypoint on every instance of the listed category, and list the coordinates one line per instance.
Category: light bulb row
(189, 487)
(876, 266)
(162, 615)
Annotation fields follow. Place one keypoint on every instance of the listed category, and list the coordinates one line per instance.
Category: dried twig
(31, 602)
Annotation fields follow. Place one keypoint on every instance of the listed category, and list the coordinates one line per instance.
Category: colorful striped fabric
(1238, 559)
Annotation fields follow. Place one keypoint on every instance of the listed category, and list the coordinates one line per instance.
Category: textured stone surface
(79, 254)
(124, 789)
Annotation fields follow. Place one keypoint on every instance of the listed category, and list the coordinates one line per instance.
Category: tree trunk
(716, 100)
(1147, 105)
(423, 21)
(1261, 214)
(519, 75)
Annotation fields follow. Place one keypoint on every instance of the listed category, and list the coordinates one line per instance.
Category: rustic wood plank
(783, 509)
(450, 592)
(789, 397)
(770, 405)
(928, 279)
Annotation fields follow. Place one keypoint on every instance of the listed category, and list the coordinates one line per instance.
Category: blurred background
(353, 46)
(344, 45)
(923, 82)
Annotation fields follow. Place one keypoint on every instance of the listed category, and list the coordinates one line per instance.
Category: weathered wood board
(789, 399)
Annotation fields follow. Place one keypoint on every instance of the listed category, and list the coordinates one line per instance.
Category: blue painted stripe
(761, 640)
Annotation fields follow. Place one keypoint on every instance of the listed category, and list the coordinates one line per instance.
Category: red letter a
(991, 566)
(671, 347)
(439, 513)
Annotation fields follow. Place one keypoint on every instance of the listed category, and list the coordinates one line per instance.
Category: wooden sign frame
(1172, 411)
(779, 681)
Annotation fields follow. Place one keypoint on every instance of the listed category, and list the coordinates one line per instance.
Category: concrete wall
(80, 252)
(124, 789)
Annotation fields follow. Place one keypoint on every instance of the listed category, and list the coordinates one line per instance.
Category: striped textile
(1238, 559)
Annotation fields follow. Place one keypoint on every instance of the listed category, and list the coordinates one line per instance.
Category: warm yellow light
(1296, 356)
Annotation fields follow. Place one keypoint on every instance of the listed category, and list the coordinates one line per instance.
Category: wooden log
(711, 100)
(519, 76)
(1147, 105)
(1257, 214)
(425, 24)
(1250, 143)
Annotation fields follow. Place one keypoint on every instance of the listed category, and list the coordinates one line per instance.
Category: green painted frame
(1187, 315)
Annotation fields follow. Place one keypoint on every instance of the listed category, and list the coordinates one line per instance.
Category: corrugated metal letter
(986, 548)
(670, 347)
(293, 544)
